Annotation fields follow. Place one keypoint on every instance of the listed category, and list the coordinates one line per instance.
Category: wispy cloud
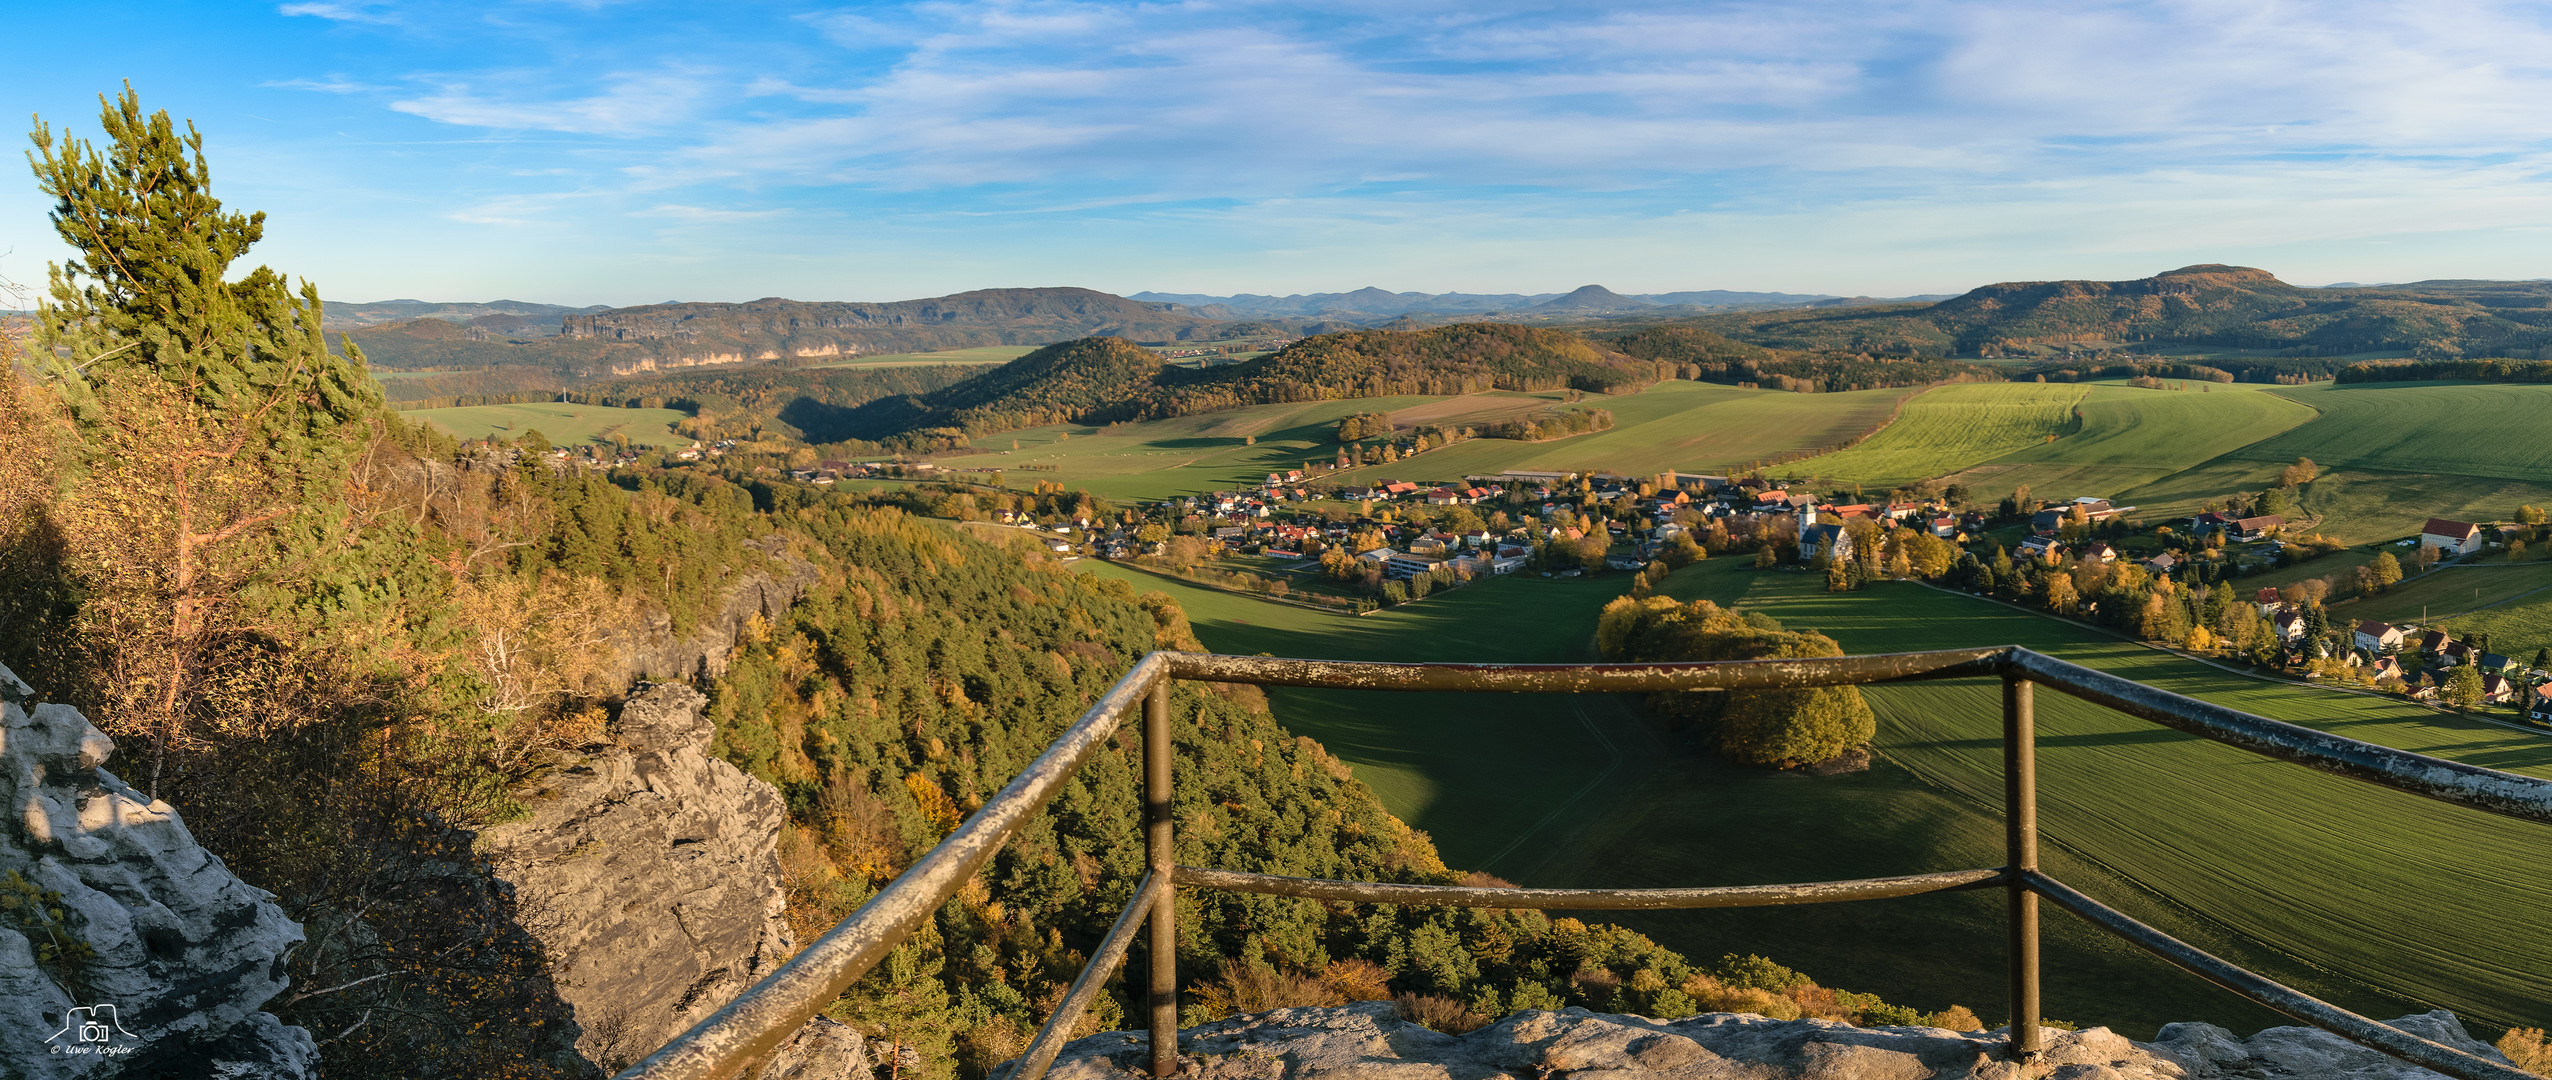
(630, 103)
(339, 12)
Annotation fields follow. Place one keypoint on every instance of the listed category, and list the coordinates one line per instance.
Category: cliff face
(651, 649)
(123, 945)
(1370, 1040)
(649, 873)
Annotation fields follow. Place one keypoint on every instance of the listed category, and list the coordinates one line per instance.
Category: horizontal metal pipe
(2436, 778)
(1094, 974)
(1726, 896)
(2295, 1003)
(758, 1020)
(1590, 678)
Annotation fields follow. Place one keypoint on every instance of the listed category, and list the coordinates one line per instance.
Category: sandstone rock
(1369, 1040)
(650, 875)
(651, 650)
(822, 1050)
(2279, 1053)
(185, 952)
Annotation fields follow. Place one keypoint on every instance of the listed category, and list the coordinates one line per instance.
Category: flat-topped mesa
(1369, 1039)
(123, 944)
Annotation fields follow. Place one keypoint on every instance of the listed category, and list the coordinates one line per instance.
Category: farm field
(2135, 445)
(1958, 423)
(562, 423)
(1480, 773)
(2393, 903)
(1689, 426)
(2463, 430)
(1180, 456)
(982, 354)
(2511, 601)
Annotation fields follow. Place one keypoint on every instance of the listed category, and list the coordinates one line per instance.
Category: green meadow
(2335, 887)
(1960, 422)
(1676, 425)
(562, 423)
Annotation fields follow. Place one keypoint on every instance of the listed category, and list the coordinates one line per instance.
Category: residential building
(2454, 537)
(2379, 637)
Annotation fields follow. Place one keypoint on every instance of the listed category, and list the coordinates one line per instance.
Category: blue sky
(605, 152)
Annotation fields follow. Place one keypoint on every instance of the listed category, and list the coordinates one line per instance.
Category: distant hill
(1371, 306)
(1104, 380)
(619, 342)
(2210, 305)
(514, 318)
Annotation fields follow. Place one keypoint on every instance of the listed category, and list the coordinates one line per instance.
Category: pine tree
(210, 428)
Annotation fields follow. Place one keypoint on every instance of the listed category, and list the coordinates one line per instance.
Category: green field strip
(562, 423)
(1952, 427)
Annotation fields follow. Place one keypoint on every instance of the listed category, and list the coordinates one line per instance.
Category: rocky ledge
(125, 948)
(1369, 1041)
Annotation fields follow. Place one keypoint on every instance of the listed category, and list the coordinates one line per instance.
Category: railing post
(2020, 835)
(1161, 859)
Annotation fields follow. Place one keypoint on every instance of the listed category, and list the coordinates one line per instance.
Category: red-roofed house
(2378, 637)
(2456, 537)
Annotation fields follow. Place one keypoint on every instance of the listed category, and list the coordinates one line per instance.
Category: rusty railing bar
(768, 1012)
(2509, 794)
(1591, 678)
(1724, 896)
(1094, 975)
(2373, 1034)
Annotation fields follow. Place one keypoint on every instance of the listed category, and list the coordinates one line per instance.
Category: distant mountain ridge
(2210, 305)
(582, 343)
(1101, 380)
(514, 317)
(1374, 304)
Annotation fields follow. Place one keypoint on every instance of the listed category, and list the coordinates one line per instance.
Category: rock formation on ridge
(650, 874)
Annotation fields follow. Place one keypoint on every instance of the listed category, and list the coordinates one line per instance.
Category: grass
(2133, 444)
(2512, 601)
(2336, 887)
(1677, 425)
(562, 423)
(2464, 430)
(1688, 426)
(982, 354)
(1963, 422)
(2380, 901)
(1480, 773)
(1179, 456)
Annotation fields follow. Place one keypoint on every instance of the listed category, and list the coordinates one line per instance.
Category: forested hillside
(341, 643)
(1103, 380)
(2209, 305)
(1705, 356)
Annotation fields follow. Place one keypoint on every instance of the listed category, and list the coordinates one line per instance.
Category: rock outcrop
(124, 945)
(651, 649)
(1369, 1041)
(651, 876)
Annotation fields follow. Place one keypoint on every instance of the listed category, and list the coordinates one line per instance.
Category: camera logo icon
(90, 1026)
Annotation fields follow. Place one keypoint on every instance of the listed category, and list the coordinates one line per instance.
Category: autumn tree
(2463, 688)
(209, 429)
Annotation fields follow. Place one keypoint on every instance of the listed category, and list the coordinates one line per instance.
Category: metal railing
(756, 1022)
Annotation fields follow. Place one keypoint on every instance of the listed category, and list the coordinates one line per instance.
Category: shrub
(1442, 1014)
(1256, 988)
(2527, 1049)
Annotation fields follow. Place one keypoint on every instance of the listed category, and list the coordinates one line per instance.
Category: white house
(2455, 537)
(2378, 637)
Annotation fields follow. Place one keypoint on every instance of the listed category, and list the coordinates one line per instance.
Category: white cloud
(336, 12)
(631, 104)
